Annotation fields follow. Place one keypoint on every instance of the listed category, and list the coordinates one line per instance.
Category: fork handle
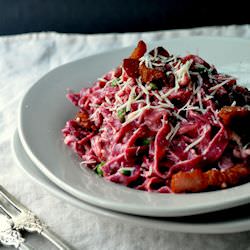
(54, 239)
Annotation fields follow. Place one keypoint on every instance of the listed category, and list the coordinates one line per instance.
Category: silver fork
(10, 236)
(24, 219)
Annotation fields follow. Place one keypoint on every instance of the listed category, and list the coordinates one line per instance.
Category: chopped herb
(121, 114)
(201, 69)
(146, 141)
(114, 82)
(98, 169)
(143, 141)
(126, 171)
(153, 86)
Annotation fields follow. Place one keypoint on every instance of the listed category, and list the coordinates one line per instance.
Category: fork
(10, 236)
(21, 218)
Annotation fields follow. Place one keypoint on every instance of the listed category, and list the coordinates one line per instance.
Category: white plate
(227, 221)
(44, 111)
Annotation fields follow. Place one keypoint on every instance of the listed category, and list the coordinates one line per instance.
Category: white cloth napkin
(23, 60)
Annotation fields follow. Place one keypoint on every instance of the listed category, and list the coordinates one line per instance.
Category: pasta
(163, 123)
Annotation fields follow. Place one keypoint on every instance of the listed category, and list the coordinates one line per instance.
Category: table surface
(23, 60)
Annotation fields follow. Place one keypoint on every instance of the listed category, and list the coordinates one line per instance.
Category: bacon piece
(230, 177)
(139, 51)
(194, 181)
(236, 174)
(82, 118)
(214, 178)
(228, 113)
(148, 75)
(131, 66)
(237, 121)
(197, 181)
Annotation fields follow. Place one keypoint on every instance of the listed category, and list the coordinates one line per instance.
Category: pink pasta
(163, 123)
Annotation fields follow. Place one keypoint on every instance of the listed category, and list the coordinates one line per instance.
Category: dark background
(100, 16)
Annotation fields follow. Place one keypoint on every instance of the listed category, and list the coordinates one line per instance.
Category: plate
(227, 221)
(44, 111)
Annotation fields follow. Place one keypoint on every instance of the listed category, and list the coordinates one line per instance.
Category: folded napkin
(23, 60)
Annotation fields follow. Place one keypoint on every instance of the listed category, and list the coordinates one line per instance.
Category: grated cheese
(146, 59)
(172, 132)
(208, 97)
(184, 69)
(157, 96)
(246, 146)
(130, 99)
(200, 101)
(175, 130)
(117, 97)
(155, 53)
(233, 103)
(101, 80)
(108, 100)
(144, 89)
(166, 105)
(216, 87)
(134, 115)
(170, 91)
(196, 141)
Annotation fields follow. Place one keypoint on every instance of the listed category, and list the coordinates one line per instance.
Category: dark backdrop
(100, 16)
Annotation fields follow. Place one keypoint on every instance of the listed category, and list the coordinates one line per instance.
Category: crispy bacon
(139, 51)
(82, 118)
(237, 121)
(148, 75)
(194, 181)
(228, 113)
(131, 66)
(197, 181)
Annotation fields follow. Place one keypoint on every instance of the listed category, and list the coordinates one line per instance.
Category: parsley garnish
(153, 86)
(98, 169)
(121, 114)
(126, 171)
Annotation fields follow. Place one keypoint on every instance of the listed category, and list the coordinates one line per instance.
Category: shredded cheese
(184, 69)
(196, 141)
(130, 99)
(216, 87)
(108, 100)
(170, 91)
(157, 96)
(101, 79)
(172, 132)
(233, 103)
(134, 115)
